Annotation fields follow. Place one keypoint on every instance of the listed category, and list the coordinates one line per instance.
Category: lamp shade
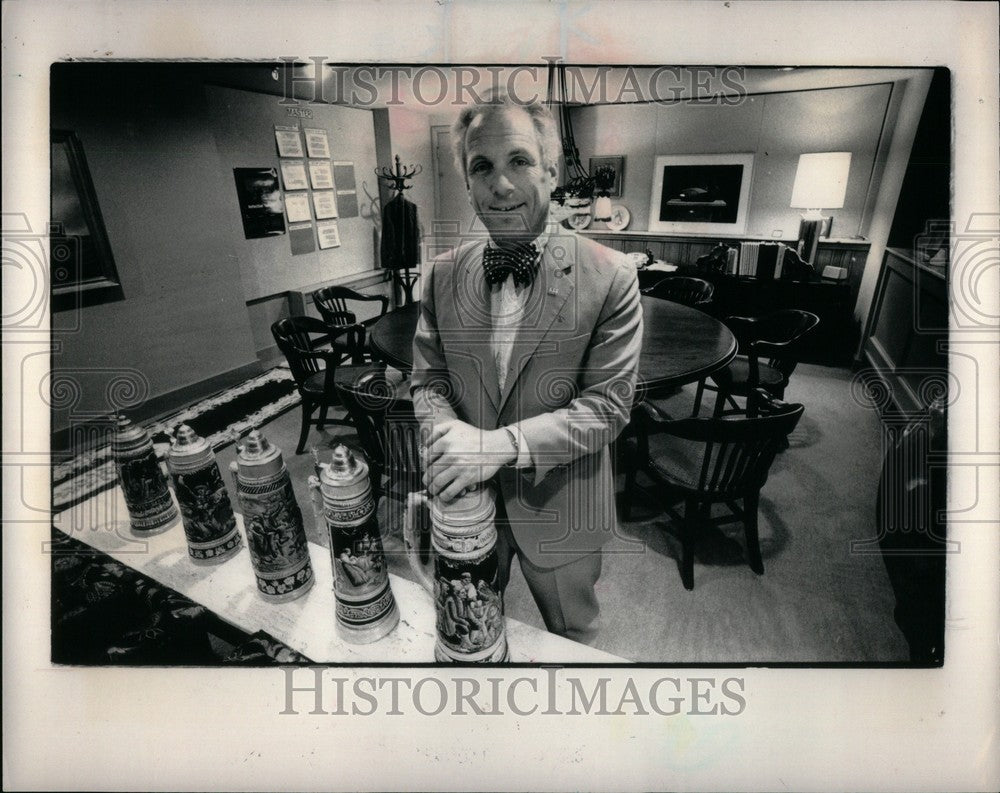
(602, 208)
(821, 180)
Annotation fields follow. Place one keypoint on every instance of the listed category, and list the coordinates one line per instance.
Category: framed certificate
(293, 175)
(289, 142)
(329, 234)
(325, 204)
(317, 143)
(321, 174)
(297, 207)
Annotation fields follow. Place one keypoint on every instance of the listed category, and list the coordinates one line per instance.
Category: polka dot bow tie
(520, 261)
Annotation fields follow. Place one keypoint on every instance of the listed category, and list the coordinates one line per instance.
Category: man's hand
(459, 455)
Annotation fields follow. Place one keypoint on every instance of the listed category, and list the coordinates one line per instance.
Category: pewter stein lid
(345, 468)
(345, 476)
(474, 507)
(257, 458)
(127, 434)
(188, 449)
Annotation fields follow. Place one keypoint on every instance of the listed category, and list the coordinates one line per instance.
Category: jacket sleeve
(605, 385)
(430, 385)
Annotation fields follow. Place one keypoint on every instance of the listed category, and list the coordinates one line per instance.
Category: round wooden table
(679, 344)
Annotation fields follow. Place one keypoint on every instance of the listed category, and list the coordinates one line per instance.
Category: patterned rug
(223, 419)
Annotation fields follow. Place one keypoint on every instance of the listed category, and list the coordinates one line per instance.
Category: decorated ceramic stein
(463, 576)
(150, 507)
(209, 522)
(279, 550)
(366, 609)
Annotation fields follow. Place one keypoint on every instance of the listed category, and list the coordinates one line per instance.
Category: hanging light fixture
(575, 195)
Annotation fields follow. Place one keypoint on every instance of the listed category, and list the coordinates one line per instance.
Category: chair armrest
(383, 300)
(773, 349)
(769, 405)
(742, 327)
(658, 413)
(327, 356)
(355, 343)
(654, 421)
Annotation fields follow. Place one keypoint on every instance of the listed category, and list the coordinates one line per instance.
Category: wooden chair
(386, 425)
(682, 289)
(774, 337)
(302, 340)
(704, 461)
(334, 306)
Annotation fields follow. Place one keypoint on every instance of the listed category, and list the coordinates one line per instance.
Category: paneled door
(453, 215)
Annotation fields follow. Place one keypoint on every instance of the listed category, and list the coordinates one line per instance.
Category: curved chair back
(386, 424)
(734, 454)
(333, 304)
(778, 330)
(296, 337)
(776, 337)
(303, 340)
(682, 289)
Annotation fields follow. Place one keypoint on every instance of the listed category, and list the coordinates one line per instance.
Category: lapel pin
(553, 290)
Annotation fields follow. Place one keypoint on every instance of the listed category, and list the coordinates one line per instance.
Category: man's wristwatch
(514, 446)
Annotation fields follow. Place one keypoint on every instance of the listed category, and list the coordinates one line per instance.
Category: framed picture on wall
(261, 207)
(701, 193)
(83, 267)
(618, 163)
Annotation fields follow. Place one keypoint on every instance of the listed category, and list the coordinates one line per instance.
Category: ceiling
(435, 89)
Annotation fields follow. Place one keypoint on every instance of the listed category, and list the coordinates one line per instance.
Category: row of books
(756, 259)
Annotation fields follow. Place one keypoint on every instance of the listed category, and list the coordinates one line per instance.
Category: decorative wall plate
(620, 217)
(580, 220)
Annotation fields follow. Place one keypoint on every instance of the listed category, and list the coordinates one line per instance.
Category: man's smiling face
(509, 184)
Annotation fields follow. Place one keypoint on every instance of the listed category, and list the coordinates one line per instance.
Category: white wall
(776, 128)
(243, 123)
(148, 142)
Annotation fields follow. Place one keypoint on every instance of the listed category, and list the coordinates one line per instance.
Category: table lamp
(820, 183)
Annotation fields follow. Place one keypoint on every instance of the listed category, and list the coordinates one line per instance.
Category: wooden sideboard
(907, 330)
(685, 250)
(833, 342)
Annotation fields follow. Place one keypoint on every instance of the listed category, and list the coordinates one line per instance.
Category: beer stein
(144, 485)
(366, 609)
(276, 538)
(209, 522)
(465, 581)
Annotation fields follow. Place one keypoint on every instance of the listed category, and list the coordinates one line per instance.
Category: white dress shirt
(507, 304)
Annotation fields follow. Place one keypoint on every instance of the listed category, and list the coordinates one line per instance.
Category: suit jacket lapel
(552, 292)
(475, 312)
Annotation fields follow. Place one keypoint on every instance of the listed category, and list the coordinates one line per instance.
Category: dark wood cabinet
(834, 340)
(685, 250)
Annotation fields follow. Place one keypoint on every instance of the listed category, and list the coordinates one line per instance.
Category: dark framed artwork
(618, 163)
(695, 193)
(262, 207)
(82, 265)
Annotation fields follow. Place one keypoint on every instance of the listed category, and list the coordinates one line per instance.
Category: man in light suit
(525, 364)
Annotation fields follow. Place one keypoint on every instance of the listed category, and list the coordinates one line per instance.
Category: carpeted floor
(222, 419)
(816, 602)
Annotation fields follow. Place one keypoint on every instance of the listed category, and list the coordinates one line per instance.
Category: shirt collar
(539, 242)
